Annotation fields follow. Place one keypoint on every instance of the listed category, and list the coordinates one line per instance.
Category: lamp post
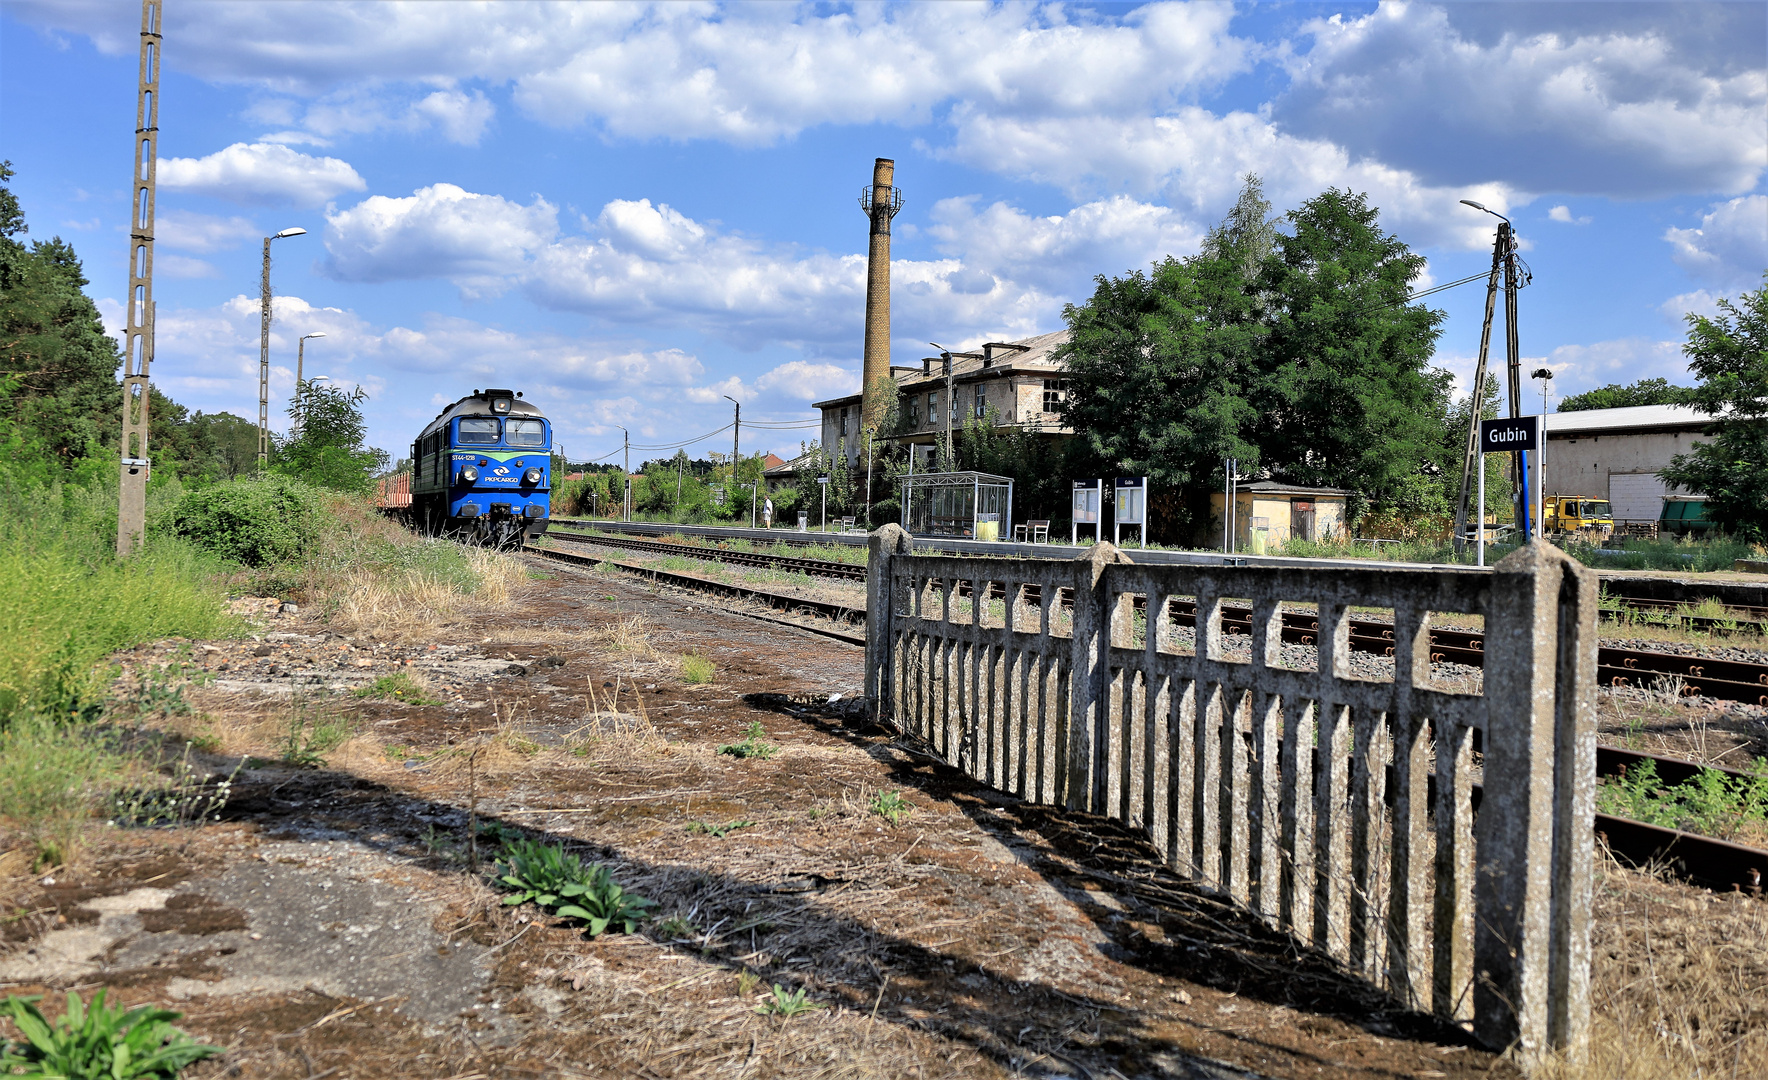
(1546, 377)
(950, 406)
(736, 433)
(264, 350)
(1504, 259)
(300, 366)
(823, 483)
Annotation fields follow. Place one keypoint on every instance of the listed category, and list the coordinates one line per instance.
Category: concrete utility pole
(264, 350)
(139, 317)
(626, 475)
(1504, 259)
(736, 435)
(881, 202)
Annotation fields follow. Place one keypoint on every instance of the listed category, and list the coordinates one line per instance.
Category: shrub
(258, 521)
(697, 669)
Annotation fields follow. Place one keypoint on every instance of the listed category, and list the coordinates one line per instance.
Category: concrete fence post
(1089, 707)
(883, 546)
(1533, 836)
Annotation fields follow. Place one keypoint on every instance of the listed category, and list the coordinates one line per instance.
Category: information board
(1086, 501)
(1504, 435)
(1132, 500)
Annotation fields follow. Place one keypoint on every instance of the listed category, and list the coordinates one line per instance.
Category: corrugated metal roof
(1600, 421)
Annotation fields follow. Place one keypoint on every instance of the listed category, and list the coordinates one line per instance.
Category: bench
(847, 524)
(1035, 532)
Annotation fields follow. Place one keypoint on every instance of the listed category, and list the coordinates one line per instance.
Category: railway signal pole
(139, 313)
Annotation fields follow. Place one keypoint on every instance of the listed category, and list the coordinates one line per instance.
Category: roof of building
(1634, 419)
(1032, 355)
(1273, 487)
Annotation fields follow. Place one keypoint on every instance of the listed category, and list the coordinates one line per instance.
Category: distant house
(1616, 454)
(1266, 513)
(1020, 380)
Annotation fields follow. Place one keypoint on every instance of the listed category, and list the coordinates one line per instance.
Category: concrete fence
(1336, 806)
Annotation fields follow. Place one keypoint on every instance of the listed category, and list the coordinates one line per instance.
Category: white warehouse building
(1616, 454)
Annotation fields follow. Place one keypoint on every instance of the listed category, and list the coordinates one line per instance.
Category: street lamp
(1482, 206)
(264, 349)
(736, 434)
(300, 366)
(1546, 377)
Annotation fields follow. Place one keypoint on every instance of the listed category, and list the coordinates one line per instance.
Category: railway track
(1726, 680)
(1701, 860)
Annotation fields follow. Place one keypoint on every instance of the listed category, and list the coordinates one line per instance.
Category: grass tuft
(752, 746)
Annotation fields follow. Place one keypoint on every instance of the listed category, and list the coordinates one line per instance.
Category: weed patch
(1711, 803)
(787, 1003)
(696, 670)
(752, 746)
(548, 875)
(97, 1042)
(892, 807)
(185, 799)
(310, 737)
(397, 687)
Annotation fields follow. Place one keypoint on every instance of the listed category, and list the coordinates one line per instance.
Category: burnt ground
(332, 922)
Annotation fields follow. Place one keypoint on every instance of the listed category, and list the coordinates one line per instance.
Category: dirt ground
(337, 920)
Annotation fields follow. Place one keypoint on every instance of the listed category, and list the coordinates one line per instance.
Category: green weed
(706, 828)
(892, 807)
(310, 738)
(696, 670)
(787, 1003)
(1711, 803)
(553, 878)
(397, 687)
(676, 928)
(752, 746)
(51, 774)
(97, 1042)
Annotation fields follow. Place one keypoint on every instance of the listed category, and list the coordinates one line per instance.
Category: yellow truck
(1585, 516)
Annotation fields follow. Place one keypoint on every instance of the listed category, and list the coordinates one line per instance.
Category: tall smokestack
(881, 201)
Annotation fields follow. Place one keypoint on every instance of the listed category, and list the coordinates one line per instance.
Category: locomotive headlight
(469, 474)
(531, 477)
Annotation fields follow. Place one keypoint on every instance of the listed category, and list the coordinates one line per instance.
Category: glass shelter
(966, 505)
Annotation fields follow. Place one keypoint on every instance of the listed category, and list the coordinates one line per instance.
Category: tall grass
(67, 601)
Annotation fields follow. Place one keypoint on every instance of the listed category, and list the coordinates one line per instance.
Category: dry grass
(416, 602)
(1679, 982)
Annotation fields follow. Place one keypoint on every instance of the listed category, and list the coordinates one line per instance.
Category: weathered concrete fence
(1333, 806)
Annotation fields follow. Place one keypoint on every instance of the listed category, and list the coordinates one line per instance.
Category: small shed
(1268, 513)
(967, 505)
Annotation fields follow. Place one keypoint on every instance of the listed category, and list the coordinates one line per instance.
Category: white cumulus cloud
(187, 230)
(261, 174)
(1730, 248)
(477, 241)
(1563, 215)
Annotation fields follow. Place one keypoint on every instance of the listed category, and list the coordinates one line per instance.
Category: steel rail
(835, 612)
(818, 567)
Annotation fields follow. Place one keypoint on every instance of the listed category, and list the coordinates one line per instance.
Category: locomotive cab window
(524, 432)
(478, 432)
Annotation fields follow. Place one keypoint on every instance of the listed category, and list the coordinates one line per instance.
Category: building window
(843, 421)
(932, 408)
(914, 412)
(1055, 393)
(981, 403)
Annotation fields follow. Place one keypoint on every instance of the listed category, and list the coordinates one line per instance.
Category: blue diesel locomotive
(482, 471)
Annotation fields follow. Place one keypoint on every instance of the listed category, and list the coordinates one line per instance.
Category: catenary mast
(139, 311)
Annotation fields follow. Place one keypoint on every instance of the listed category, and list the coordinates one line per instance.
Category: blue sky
(629, 211)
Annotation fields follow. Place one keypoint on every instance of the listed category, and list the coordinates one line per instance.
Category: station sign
(1508, 434)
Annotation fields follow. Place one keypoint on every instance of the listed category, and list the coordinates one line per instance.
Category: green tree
(64, 388)
(1618, 396)
(325, 446)
(1729, 354)
(1350, 399)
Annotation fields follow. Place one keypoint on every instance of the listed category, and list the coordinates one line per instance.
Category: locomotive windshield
(524, 432)
(478, 432)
